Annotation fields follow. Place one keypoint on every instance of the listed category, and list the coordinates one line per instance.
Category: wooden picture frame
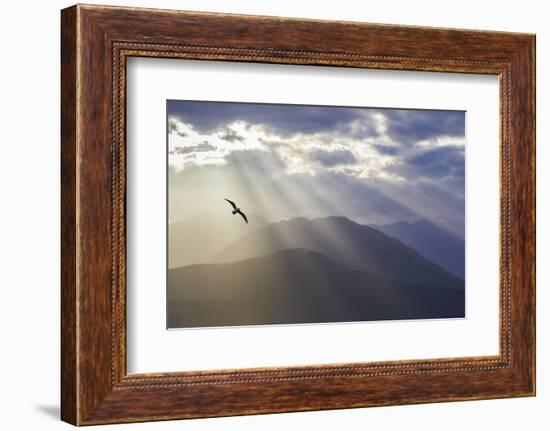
(95, 43)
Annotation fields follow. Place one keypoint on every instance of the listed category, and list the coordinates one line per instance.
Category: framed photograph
(264, 214)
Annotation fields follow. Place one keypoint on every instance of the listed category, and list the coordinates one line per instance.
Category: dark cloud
(230, 135)
(285, 120)
(390, 150)
(409, 126)
(334, 158)
(433, 163)
(173, 129)
(439, 162)
(202, 147)
(405, 125)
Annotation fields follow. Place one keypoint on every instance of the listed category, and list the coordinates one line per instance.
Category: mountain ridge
(431, 241)
(298, 286)
(343, 240)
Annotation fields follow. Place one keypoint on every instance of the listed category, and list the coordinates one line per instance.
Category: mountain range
(298, 286)
(431, 241)
(302, 271)
(354, 245)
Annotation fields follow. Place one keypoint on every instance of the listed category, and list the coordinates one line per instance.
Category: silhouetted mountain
(298, 286)
(342, 240)
(431, 241)
(198, 239)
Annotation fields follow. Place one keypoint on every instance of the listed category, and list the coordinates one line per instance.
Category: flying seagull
(237, 210)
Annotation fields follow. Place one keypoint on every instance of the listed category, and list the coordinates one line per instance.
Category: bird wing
(232, 203)
(243, 216)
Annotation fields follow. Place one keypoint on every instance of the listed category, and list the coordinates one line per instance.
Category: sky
(372, 165)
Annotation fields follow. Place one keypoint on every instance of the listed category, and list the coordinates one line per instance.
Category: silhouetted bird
(237, 210)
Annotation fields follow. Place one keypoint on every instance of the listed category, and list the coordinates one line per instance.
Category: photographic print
(285, 214)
